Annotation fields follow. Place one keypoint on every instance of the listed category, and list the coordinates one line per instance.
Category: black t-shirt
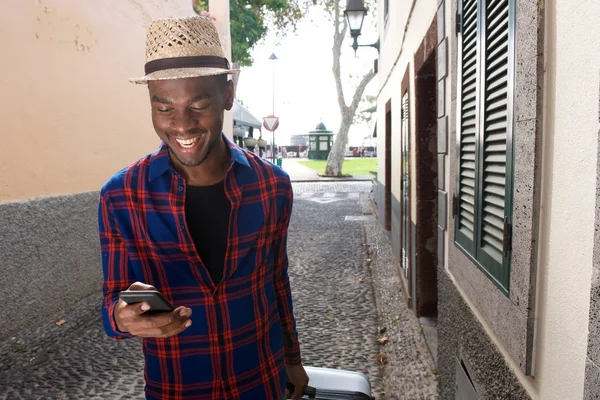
(207, 211)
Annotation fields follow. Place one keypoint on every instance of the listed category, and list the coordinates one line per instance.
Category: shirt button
(182, 226)
(181, 188)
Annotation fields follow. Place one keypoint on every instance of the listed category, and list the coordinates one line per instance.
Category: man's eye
(199, 108)
(164, 110)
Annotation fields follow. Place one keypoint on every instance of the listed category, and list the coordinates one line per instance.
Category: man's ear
(229, 95)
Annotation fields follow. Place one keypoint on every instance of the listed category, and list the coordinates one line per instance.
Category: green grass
(357, 166)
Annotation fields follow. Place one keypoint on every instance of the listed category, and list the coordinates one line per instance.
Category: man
(205, 223)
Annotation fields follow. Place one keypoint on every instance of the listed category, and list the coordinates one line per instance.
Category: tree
(252, 19)
(368, 108)
(347, 112)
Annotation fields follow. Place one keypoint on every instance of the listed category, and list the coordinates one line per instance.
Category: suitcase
(335, 384)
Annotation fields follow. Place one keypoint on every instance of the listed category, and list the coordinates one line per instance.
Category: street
(334, 275)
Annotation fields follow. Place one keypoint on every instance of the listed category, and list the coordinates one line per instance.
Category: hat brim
(181, 73)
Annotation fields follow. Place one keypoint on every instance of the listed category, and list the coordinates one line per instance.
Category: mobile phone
(157, 301)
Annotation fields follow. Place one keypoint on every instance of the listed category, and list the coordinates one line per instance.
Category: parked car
(292, 154)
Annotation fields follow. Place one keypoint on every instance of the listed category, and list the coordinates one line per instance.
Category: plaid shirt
(243, 329)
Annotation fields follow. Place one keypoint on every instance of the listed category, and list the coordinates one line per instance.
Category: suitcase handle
(309, 391)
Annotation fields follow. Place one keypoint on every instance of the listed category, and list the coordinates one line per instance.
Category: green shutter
(484, 191)
(467, 138)
(495, 199)
(405, 223)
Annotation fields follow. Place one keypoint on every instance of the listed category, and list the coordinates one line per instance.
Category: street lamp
(273, 58)
(250, 142)
(261, 143)
(355, 15)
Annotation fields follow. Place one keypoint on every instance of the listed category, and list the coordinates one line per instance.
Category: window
(404, 185)
(482, 203)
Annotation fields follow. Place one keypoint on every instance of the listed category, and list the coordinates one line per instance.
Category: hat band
(186, 62)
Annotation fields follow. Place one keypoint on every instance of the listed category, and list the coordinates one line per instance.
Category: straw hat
(183, 48)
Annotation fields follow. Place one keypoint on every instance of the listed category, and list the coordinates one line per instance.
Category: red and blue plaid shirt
(243, 330)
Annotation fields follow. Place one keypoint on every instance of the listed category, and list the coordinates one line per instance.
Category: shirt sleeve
(115, 267)
(282, 283)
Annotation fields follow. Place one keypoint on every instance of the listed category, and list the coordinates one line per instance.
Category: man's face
(188, 115)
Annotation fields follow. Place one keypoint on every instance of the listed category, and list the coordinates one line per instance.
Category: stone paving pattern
(410, 372)
(335, 312)
(336, 309)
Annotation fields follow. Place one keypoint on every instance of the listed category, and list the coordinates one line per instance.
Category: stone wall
(461, 337)
(50, 258)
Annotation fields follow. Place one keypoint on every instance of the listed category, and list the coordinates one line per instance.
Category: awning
(244, 118)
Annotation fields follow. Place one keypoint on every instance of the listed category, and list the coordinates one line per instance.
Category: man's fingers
(164, 324)
(141, 286)
(166, 331)
(132, 310)
(179, 324)
(124, 313)
(185, 325)
(183, 312)
(163, 319)
(140, 308)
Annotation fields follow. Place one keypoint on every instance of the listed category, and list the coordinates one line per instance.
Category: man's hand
(298, 377)
(132, 318)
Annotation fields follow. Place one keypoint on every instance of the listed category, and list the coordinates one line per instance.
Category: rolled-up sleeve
(115, 266)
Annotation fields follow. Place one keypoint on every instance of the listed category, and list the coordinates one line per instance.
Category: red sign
(271, 123)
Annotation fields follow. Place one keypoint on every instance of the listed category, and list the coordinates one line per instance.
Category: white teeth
(187, 142)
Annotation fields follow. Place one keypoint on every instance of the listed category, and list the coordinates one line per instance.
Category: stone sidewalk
(299, 172)
(337, 293)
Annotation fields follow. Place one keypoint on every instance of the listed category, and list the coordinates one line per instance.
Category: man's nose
(182, 122)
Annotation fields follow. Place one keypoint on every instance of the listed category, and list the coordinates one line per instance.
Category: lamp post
(355, 15)
(273, 58)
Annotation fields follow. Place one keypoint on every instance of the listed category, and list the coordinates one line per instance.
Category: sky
(305, 93)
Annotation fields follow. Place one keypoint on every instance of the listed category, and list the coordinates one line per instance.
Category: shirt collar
(160, 163)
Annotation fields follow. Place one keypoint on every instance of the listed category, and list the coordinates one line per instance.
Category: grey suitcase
(335, 384)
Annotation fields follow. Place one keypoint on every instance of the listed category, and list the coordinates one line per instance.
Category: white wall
(570, 135)
(395, 57)
(568, 196)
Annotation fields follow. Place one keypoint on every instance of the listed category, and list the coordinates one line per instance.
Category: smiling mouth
(188, 143)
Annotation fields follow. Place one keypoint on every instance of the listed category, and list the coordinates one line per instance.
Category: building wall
(71, 103)
(463, 337)
(220, 10)
(475, 320)
(592, 372)
(510, 318)
(542, 356)
(568, 196)
(533, 343)
(397, 54)
(70, 120)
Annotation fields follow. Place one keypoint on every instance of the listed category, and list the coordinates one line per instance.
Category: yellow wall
(70, 118)
(220, 10)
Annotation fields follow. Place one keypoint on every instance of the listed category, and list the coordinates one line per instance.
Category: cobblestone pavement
(410, 372)
(336, 309)
(333, 295)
